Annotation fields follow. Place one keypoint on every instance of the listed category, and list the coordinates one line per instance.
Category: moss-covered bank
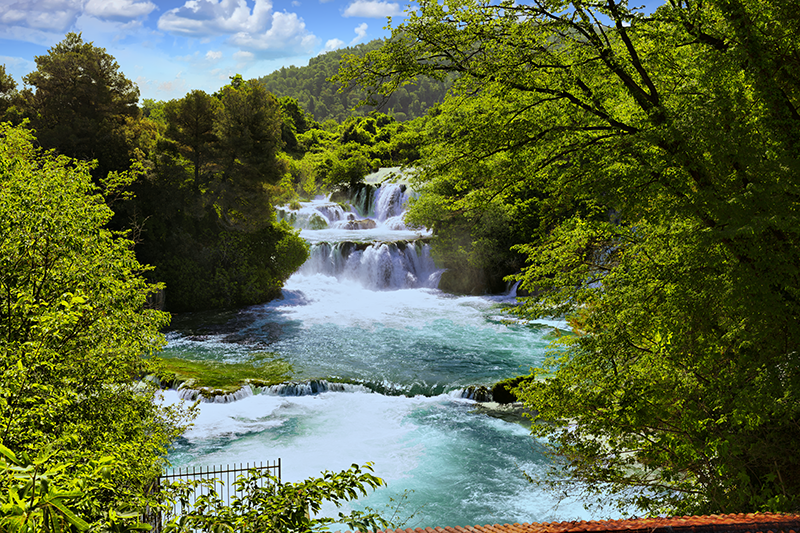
(222, 378)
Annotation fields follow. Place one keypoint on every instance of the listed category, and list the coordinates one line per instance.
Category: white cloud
(215, 17)
(118, 9)
(333, 44)
(44, 15)
(372, 9)
(361, 32)
(243, 58)
(287, 31)
(33, 18)
(15, 61)
(212, 55)
(260, 30)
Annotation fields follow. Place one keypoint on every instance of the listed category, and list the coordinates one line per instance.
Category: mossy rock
(501, 391)
(317, 221)
(263, 369)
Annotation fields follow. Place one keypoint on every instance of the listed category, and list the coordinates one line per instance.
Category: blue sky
(169, 47)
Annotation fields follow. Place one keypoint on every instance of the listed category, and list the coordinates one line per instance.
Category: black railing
(223, 478)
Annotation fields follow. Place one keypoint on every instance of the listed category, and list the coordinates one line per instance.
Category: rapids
(380, 358)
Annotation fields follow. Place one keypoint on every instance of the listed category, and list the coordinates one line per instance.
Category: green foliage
(311, 88)
(338, 160)
(265, 504)
(73, 328)
(190, 125)
(248, 127)
(83, 106)
(205, 210)
(295, 122)
(41, 494)
(653, 163)
(8, 95)
(31, 502)
(206, 266)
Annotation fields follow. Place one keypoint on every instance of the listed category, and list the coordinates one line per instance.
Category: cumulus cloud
(333, 44)
(361, 32)
(212, 55)
(287, 31)
(258, 29)
(372, 9)
(214, 17)
(118, 9)
(43, 15)
(243, 57)
(34, 17)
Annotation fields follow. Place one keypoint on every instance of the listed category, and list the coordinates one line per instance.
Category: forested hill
(320, 97)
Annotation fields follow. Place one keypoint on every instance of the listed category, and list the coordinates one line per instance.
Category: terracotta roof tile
(731, 523)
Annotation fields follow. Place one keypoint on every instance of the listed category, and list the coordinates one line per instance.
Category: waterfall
(390, 200)
(378, 266)
(210, 396)
(316, 215)
(308, 388)
(369, 244)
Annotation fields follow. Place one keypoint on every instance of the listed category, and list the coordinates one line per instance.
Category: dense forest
(322, 99)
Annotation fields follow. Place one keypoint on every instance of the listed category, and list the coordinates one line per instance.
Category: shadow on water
(256, 327)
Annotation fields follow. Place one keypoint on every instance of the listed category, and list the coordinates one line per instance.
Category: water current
(395, 353)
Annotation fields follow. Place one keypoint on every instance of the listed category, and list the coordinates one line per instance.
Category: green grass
(263, 369)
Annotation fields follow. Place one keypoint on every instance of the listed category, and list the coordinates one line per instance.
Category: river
(364, 314)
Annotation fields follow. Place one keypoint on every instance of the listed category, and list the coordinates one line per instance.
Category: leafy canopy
(75, 329)
(655, 158)
(82, 105)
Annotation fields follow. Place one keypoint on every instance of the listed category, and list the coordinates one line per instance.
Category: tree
(75, 329)
(8, 92)
(248, 127)
(81, 104)
(295, 122)
(663, 152)
(209, 227)
(190, 123)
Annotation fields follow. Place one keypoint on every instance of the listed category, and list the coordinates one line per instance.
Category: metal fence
(223, 476)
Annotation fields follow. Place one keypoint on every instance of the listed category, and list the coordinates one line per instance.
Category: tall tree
(82, 103)
(248, 127)
(210, 227)
(663, 150)
(190, 123)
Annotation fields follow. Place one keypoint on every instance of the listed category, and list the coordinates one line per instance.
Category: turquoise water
(372, 317)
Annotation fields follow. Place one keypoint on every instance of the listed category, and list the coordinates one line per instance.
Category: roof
(731, 523)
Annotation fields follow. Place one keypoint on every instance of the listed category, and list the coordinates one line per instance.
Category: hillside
(316, 95)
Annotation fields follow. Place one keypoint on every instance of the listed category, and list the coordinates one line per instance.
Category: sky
(170, 47)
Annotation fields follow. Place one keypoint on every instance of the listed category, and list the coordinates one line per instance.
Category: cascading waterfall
(384, 369)
(400, 265)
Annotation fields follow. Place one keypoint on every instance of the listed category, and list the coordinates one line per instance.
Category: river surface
(364, 314)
